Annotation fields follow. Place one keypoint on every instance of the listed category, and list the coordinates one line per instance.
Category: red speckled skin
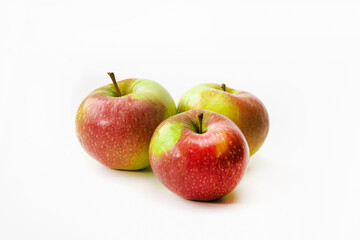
(116, 131)
(253, 120)
(203, 166)
(243, 108)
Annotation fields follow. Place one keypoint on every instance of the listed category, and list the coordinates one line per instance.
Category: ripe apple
(115, 122)
(199, 154)
(243, 108)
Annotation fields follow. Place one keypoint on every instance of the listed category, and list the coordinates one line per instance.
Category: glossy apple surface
(243, 108)
(115, 130)
(199, 166)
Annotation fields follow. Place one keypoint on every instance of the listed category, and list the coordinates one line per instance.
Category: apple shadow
(145, 172)
(231, 198)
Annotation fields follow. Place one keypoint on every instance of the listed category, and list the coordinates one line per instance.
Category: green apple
(243, 108)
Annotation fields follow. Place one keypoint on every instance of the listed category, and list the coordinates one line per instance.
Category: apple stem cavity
(200, 117)
(223, 87)
(112, 76)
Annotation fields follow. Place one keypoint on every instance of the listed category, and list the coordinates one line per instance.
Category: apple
(243, 108)
(199, 154)
(114, 123)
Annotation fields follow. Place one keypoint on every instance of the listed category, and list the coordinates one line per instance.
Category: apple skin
(243, 108)
(116, 131)
(197, 166)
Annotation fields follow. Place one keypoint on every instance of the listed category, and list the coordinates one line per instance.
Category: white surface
(301, 58)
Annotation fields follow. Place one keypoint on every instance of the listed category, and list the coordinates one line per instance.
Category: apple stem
(200, 116)
(223, 87)
(112, 76)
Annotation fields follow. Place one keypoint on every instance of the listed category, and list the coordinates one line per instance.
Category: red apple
(199, 154)
(243, 108)
(115, 122)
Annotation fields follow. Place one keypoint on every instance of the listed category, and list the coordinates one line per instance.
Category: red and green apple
(199, 154)
(114, 123)
(243, 108)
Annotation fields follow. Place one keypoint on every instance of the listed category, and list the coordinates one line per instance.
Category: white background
(301, 58)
